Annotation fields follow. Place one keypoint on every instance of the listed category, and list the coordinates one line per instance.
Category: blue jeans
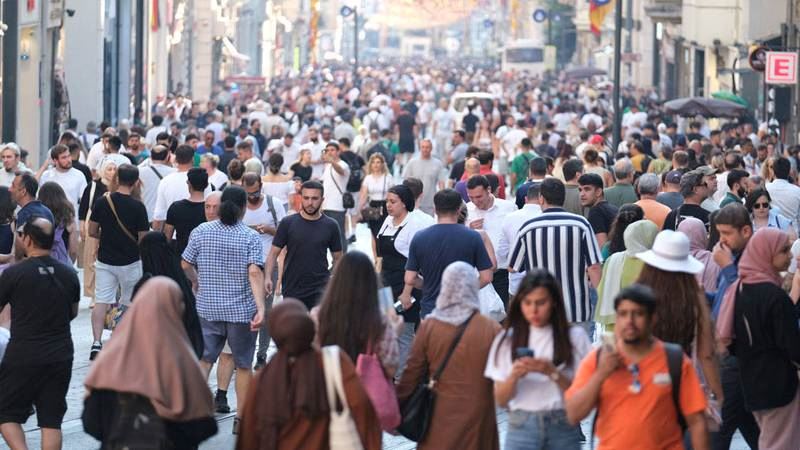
(541, 430)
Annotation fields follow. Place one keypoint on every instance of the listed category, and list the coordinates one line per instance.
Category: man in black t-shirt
(694, 190)
(307, 238)
(185, 215)
(119, 221)
(37, 366)
(470, 123)
(601, 213)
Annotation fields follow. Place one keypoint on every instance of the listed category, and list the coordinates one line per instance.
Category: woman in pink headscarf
(698, 242)
(760, 321)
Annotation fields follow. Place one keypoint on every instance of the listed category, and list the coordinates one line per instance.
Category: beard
(311, 211)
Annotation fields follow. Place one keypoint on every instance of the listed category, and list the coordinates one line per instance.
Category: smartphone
(608, 341)
(398, 306)
(523, 352)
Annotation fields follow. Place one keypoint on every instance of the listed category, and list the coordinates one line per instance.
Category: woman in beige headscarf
(149, 369)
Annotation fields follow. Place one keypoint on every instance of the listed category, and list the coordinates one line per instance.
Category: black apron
(393, 270)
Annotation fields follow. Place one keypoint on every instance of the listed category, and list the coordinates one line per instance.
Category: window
(524, 55)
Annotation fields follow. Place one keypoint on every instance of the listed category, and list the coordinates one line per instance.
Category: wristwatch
(555, 375)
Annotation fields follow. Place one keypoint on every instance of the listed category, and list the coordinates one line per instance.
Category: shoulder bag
(119, 222)
(379, 389)
(136, 425)
(342, 432)
(373, 213)
(417, 410)
(347, 198)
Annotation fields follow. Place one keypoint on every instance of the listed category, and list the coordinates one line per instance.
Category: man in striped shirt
(563, 243)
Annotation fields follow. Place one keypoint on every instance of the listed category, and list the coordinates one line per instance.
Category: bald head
(472, 166)
(39, 232)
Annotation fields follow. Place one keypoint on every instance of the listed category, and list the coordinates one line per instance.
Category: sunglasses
(636, 384)
(254, 194)
(764, 205)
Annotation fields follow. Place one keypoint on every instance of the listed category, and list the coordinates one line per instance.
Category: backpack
(59, 251)
(674, 353)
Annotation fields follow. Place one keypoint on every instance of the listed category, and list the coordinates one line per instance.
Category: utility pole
(617, 130)
(791, 45)
(10, 58)
(629, 36)
(355, 45)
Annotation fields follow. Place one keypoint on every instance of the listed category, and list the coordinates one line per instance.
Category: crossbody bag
(347, 198)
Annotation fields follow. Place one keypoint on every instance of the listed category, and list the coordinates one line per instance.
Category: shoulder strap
(461, 329)
(597, 406)
(675, 364)
(271, 207)
(334, 386)
(153, 168)
(92, 191)
(333, 178)
(116, 216)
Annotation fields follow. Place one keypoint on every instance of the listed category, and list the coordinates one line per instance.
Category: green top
(621, 194)
(660, 165)
(520, 166)
(728, 199)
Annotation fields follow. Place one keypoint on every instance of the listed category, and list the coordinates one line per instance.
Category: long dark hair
(627, 215)
(349, 316)
(680, 304)
(232, 204)
(7, 206)
(520, 327)
(52, 195)
(159, 259)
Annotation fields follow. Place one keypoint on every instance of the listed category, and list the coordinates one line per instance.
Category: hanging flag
(155, 22)
(312, 32)
(598, 9)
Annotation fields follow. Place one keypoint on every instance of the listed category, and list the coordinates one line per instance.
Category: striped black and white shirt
(564, 244)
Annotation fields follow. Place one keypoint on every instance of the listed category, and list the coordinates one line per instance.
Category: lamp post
(345, 12)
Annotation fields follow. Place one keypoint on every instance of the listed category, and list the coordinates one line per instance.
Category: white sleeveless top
(377, 186)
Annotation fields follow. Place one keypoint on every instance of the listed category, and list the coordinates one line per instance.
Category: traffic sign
(539, 15)
(758, 59)
(781, 68)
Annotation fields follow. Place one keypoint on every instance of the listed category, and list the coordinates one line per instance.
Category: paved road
(76, 439)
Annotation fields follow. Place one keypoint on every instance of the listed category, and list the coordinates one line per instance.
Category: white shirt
(786, 196)
(316, 150)
(152, 133)
(722, 186)
(171, 189)
(444, 121)
(493, 219)
(333, 195)
(414, 222)
(511, 140)
(263, 216)
(562, 121)
(98, 153)
(218, 129)
(591, 117)
(150, 182)
(511, 226)
(377, 186)
(536, 391)
(218, 179)
(71, 181)
(6, 177)
(279, 190)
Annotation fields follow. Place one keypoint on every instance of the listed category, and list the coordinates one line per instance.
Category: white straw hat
(670, 252)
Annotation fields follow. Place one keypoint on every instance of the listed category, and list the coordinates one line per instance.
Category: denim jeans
(404, 341)
(541, 430)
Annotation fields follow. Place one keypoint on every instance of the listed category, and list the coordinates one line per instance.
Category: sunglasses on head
(764, 205)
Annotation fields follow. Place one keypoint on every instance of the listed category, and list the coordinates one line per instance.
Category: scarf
(694, 229)
(458, 294)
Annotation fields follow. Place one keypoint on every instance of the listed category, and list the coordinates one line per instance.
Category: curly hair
(627, 215)
(680, 304)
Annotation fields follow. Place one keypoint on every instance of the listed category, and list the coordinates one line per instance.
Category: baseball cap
(705, 170)
(674, 177)
(596, 139)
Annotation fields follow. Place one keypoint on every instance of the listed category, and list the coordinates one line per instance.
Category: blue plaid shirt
(222, 255)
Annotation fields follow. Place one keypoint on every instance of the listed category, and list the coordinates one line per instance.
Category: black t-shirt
(601, 216)
(677, 215)
(116, 248)
(84, 169)
(303, 172)
(41, 292)
(307, 241)
(457, 171)
(185, 216)
(224, 159)
(405, 127)
(470, 122)
(356, 164)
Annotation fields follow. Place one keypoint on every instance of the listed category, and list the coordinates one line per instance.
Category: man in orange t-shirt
(632, 388)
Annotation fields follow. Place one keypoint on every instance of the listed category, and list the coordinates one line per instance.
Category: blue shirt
(727, 276)
(33, 208)
(222, 255)
(202, 149)
(435, 248)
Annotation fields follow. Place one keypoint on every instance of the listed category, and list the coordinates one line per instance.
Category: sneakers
(260, 362)
(96, 347)
(221, 403)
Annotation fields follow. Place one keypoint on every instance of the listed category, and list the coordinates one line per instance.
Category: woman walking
(276, 184)
(65, 244)
(373, 194)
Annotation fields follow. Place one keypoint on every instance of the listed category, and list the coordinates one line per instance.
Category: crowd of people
(514, 260)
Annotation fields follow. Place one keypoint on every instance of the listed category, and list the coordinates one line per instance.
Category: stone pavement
(76, 439)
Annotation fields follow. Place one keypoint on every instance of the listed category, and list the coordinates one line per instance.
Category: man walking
(307, 238)
(601, 213)
(173, 187)
(694, 191)
(37, 366)
(224, 260)
(622, 192)
(784, 194)
(185, 215)
(511, 226)
(151, 172)
(429, 170)
(334, 180)
(436, 247)
(70, 179)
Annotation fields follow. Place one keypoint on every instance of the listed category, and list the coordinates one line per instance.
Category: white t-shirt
(511, 140)
(333, 195)
(377, 186)
(152, 133)
(171, 189)
(150, 182)
(316, 153)
(72, 182)
(535, 391)
(98, 153)
(445, 122)
(263, 216)
(218, 179)
(279, 190)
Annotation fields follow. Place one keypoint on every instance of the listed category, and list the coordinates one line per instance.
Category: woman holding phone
(532, 363)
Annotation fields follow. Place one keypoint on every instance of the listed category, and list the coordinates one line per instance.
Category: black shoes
(221, 403)
(260, 362)
(96, 347)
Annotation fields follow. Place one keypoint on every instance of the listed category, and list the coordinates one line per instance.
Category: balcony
(664, 10)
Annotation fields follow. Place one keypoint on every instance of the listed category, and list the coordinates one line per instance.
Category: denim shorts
(241, 340)
(541, 430)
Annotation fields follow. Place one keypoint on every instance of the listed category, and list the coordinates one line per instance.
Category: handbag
(342, 432)
(136, 425)
(373, 213)
(417, 410)
(347, 198)
(379, 390)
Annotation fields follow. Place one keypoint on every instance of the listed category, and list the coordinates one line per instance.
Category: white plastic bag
(491, 304)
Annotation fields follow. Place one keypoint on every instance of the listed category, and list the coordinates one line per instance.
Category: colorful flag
(155, 21)
(598, 9)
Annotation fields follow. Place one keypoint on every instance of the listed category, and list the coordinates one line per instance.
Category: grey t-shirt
(671, 199)
(430, 171)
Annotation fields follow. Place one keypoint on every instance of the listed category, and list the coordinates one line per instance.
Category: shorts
(241, 340)
(44, 386)
(109, 278)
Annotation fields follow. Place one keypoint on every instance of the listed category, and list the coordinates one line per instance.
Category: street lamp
(345, 12)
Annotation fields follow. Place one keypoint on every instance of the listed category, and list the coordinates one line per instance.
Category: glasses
(636, 384)
(764, 205)
(254, 194)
